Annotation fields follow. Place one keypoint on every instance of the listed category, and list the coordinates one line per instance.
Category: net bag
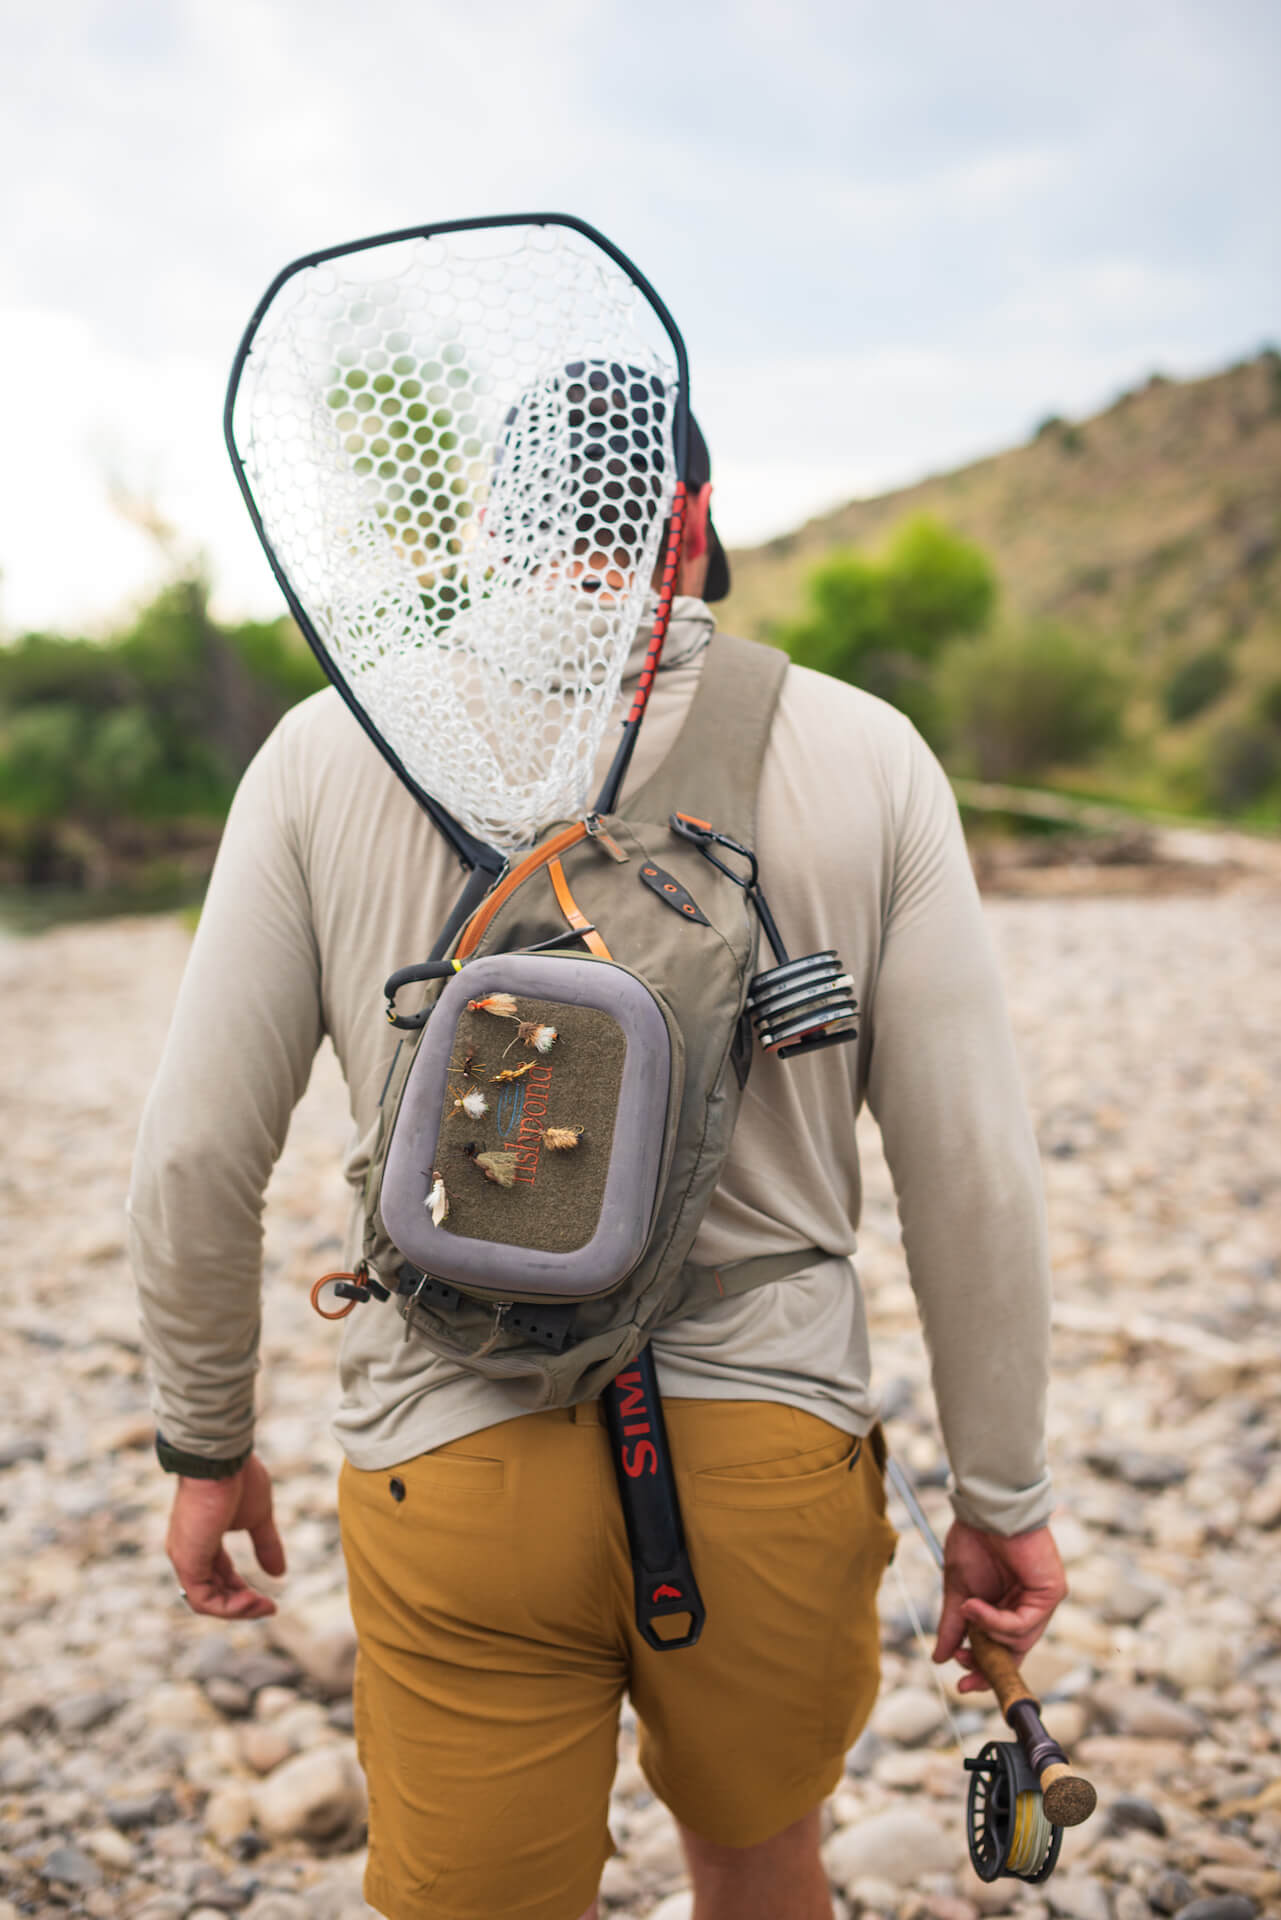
(461, 447)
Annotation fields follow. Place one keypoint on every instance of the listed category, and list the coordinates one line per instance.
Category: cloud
(884, 420)
(80, 419)
(891, 239)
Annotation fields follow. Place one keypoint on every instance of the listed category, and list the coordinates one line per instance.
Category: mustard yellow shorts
(492, 1594)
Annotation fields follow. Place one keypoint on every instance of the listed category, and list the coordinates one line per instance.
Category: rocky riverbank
(156, 1765)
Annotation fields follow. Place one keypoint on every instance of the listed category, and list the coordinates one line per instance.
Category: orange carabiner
(339, 1313)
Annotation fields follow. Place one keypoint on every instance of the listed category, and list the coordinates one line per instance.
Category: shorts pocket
(424, 1538)
(429, 1476)
(793, 1480)
(471, 1470)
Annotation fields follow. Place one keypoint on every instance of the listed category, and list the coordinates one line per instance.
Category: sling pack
(550, 1137)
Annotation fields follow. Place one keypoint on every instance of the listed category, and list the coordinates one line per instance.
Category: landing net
(461, 452)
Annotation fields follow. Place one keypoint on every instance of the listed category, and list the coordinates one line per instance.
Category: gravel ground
(152, 1764)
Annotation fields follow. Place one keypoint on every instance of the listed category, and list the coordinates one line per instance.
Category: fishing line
(919, 1630)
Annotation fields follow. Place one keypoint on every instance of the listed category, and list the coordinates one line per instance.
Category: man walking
(487, 1562)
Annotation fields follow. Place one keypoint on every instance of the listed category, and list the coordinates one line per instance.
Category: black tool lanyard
(664, 1581)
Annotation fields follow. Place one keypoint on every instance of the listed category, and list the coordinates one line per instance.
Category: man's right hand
(1007, 1586)
(202, 1512)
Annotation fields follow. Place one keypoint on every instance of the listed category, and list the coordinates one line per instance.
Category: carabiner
(406, 976)
(700, 835)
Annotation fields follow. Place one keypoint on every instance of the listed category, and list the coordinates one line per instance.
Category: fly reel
(1009, 1836)
(797, 1006)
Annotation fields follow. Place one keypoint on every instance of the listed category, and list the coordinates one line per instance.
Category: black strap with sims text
(664, 1580)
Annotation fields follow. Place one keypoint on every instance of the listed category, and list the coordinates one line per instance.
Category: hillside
(1156, 525)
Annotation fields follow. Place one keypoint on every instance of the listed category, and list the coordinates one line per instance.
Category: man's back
(331, 876)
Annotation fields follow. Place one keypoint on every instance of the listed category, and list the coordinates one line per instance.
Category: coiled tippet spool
(803, 1005)
(797, 1006)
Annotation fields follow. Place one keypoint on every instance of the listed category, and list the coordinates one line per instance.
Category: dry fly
(502, 1004)
(561, 1139)
(534, 1034)
(513, 1073)
(471, 1101)
(471, 1069)
(499, 1167)
(437, 1200)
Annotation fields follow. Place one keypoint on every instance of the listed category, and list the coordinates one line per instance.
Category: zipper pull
(605, 841)
(414, 1298)
(495, 1332)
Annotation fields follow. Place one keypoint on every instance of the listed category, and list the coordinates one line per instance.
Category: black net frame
(473, 851)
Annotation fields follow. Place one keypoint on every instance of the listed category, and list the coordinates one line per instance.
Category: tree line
(119, 751)
(1032, 700)
(117, 756)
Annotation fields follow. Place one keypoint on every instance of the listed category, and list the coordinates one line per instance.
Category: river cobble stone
(1149, 1032)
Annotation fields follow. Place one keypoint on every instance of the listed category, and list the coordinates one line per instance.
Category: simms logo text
(642, 1457)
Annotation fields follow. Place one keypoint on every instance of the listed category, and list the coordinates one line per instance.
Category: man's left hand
(203, 1510)
(1007, 1587)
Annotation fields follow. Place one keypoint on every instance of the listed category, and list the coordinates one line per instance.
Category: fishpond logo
(521, 1115)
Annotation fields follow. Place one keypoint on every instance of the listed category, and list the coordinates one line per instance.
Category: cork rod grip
(1000, 1670)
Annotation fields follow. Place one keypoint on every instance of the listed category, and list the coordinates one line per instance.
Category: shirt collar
(689, 631)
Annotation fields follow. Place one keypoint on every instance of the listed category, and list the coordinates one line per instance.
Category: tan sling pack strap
(714, 766)
(703, 1286)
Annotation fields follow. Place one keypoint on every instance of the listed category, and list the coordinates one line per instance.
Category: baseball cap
(601, 393)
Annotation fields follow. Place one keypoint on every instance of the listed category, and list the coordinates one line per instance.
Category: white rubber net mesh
(461, 449)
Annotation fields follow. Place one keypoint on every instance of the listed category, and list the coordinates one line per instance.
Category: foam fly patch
(554, 1201)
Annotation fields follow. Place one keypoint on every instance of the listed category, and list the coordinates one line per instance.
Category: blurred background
(982, 305)
(982, 309)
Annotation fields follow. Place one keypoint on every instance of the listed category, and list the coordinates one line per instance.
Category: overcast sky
(895, 236)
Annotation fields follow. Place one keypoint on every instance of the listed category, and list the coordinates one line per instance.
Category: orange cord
(324, 1280)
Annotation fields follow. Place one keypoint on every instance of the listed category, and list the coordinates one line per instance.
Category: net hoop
(515, 522)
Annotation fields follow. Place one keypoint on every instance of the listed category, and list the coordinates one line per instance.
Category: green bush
(928, 587)
(48, 667)
(1270, 705)
(123, 756)
(1242, 762)
(847, 616)
(276, 655)
(1067, 438)
(41, 748)
(1023, 700)
(1196, 685)
(938, 588)
(158, 721)
(881, 622)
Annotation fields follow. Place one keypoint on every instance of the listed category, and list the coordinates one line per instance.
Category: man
(485, 1551)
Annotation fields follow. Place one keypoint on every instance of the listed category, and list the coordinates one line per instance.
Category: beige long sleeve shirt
(330, 876)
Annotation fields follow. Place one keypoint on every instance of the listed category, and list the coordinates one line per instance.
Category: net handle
(472, 851)
(608, 798)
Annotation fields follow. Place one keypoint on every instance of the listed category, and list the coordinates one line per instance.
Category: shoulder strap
(714, 768)
(704, 1286)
